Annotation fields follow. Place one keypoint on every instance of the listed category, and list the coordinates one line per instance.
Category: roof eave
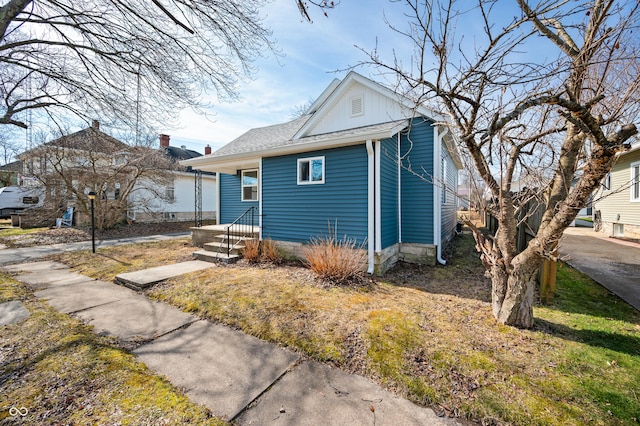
(230, 161)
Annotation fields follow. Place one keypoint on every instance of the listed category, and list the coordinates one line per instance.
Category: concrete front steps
(216, 250)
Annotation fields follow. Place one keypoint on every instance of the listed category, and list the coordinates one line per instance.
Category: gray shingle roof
(262, 138)
(280, 135)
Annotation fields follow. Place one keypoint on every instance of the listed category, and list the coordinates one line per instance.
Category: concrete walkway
(238, 377)
(613, 263)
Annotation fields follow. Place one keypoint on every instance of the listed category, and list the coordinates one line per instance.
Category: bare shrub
(270, 252)
(338, 261)
(251, 251)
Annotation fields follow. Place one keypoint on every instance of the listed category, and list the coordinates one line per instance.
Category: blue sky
(311, 53)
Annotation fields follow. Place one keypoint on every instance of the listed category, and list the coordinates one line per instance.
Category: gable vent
(357, 106)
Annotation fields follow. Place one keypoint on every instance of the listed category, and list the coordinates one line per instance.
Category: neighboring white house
(178, 201)
(619, 198)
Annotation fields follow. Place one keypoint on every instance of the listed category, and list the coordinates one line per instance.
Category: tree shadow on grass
(617, 342)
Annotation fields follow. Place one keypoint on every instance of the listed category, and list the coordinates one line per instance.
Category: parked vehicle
(15, 199)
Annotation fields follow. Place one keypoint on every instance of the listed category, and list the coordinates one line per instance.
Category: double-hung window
(249, 185)
(310, 170)
(635, 181)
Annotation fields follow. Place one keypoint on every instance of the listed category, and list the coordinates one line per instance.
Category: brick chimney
(95, 124)
(164, 141)
(207, 150)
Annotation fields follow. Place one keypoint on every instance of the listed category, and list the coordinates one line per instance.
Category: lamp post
(92, 196)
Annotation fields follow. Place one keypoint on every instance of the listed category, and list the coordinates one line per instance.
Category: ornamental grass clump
(269, 252)
(337, 261)
(251, 251)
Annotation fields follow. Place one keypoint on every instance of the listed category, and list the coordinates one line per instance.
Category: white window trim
(606, 182)
(309, 160)
(243, 186)
(634, 183)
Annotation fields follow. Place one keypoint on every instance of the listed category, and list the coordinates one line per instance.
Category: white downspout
(371, 207)
(437, 195)
(399, 192)
(378, 207)
(260, 199)
(218, 178)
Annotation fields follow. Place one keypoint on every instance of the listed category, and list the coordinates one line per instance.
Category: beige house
(618, 201)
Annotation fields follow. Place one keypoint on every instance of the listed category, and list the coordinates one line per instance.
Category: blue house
(362, 161)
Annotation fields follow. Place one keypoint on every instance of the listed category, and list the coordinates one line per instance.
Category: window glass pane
(304, 171)
(316, 170)
(249, 193)
(636, 182)
(250, 178)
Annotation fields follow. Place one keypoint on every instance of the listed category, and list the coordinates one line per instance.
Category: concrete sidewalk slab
(139, 280)
(13, 312)
(221, 368)
(85, 295)
(34, 266)
(135, 318)
(316, 394)
(51, 278)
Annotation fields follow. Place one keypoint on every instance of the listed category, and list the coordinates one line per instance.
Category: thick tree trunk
(517, 306)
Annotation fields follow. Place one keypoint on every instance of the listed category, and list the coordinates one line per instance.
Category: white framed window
(444, 180)
(170, 194)
(635, 181)
(310, 170)
(606, 182)
(250, 185)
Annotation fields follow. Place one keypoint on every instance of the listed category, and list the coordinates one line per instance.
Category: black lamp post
(92, 196)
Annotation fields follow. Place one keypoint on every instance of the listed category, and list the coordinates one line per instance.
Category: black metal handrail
(242, 227)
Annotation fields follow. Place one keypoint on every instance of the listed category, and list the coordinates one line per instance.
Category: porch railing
(242, 228)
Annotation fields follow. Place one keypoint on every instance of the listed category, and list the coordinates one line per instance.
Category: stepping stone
(314, 393)
(34, 266)
(219, 367)
(139, 280)
(13, 312)
(50, 278)
(81, 296)
(135, 318)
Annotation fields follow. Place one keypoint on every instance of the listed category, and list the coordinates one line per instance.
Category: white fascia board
(230, 163)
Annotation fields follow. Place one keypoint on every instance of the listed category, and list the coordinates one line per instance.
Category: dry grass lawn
(426, 333)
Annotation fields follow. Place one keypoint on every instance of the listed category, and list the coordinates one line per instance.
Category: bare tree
(95, 55)
(548, 96)
(73, 165)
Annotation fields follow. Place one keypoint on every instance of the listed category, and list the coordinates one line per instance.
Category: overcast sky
(311, 53)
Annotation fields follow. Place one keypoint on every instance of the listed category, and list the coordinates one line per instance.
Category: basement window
(310, 170)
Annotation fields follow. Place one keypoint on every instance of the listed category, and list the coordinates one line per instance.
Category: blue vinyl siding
(449, 217)
(231, 204)
(296, 213)
(417, 192)
(389, 191)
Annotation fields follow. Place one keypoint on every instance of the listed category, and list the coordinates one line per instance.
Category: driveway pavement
(613, 263)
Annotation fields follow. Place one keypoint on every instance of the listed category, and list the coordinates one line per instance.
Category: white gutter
(218, 179)
(399, 193)
(437, 195)
(378, 206)
(371, 207)
(205, 162)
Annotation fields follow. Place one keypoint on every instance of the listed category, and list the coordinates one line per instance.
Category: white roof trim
(318, 142)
